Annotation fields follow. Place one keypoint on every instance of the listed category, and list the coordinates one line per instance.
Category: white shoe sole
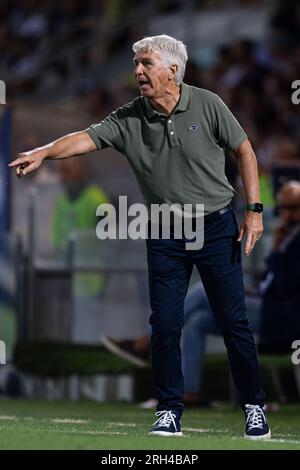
(165, 433)
(256, 438)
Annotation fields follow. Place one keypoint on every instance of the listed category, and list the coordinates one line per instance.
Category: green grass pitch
(27, 424)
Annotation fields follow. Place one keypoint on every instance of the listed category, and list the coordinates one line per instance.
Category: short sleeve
(228, 131)
(111, 132)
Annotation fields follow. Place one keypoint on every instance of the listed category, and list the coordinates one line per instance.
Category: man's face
(289, 207)
(151, 74)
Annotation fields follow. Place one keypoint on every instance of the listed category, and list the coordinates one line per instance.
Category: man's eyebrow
(142, 59)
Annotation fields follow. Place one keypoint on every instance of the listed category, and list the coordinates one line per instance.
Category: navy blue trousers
(220, 268)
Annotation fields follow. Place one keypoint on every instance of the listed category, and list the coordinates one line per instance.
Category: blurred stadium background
(66, 65)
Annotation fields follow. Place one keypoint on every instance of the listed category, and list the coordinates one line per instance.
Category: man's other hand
(252, 227)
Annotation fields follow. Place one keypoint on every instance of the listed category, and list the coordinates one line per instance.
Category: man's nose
(139, 69)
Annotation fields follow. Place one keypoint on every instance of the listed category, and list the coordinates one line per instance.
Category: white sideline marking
(205, 430)
(269, 441)
(69, 420)
(54, 420)
(112, 433)
(280, 440)
(283, 441)
(16, 418)
(132, 425)
(196, 430)
(9, 417)
(94, 433)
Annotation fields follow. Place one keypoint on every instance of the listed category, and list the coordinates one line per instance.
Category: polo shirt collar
(184, 100)
(182, 105)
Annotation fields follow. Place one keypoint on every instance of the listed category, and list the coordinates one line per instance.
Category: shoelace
(166, 418)
(255, 416)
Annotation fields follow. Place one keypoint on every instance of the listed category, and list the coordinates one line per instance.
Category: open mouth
(144, 84)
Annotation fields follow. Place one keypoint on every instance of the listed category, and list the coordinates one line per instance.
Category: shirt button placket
(173, 139)
(172, 133)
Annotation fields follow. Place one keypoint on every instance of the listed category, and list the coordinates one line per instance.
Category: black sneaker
(125, 350)
(256, 423)
(168, 424)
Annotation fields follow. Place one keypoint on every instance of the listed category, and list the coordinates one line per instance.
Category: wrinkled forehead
(147, 54)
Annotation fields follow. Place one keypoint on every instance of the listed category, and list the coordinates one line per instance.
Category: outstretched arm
(70, 145)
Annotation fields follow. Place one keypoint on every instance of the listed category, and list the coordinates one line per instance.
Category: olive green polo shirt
(177, 158)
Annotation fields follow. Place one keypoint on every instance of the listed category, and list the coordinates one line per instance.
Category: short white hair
(170, 49)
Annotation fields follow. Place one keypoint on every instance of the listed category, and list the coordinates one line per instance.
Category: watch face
(257, 207)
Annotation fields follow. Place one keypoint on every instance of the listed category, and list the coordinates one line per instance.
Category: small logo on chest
(193, 127)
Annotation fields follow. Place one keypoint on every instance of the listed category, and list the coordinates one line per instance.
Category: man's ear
(172, 71)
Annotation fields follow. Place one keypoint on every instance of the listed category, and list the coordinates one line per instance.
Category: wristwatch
(256, 207)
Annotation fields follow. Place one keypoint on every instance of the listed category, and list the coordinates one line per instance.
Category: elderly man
(174, 136)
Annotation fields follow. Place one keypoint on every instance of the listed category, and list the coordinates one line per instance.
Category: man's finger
(251, 240)
(18, 171)
(241, 234)
(248, 244)
(19, 161)
(28, 169)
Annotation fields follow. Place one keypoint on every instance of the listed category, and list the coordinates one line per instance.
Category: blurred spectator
(29, 20)
(281, 289)
(76, 208)
(75, 212)
(285, 163)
